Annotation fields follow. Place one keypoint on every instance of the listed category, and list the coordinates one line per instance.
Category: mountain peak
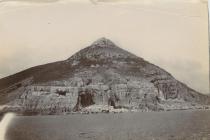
(102, 48)
(103, 42)
(99, 76)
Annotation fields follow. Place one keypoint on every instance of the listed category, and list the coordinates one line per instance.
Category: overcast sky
(172, 35)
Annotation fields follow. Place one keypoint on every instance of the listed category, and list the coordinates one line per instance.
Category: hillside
(99, 78)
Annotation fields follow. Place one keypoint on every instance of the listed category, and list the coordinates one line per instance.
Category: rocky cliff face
(101, 77)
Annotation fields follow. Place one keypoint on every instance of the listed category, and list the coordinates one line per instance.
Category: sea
(171, 125)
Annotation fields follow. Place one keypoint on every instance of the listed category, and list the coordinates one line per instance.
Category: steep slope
(98, 77)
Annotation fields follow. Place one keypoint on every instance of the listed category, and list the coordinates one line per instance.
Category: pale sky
(171, 34)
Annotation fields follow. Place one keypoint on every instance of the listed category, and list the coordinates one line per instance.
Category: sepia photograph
(104, 70)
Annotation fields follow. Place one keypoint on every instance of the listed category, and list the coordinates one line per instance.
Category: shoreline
(2, 114)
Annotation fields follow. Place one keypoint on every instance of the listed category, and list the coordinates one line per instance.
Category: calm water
(174, 125)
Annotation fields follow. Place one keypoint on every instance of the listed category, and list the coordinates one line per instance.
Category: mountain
(99, 78)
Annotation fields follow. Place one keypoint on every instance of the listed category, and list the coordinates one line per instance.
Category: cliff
(99, 78)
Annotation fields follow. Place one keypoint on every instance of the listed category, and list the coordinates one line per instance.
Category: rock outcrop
(100, 77)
